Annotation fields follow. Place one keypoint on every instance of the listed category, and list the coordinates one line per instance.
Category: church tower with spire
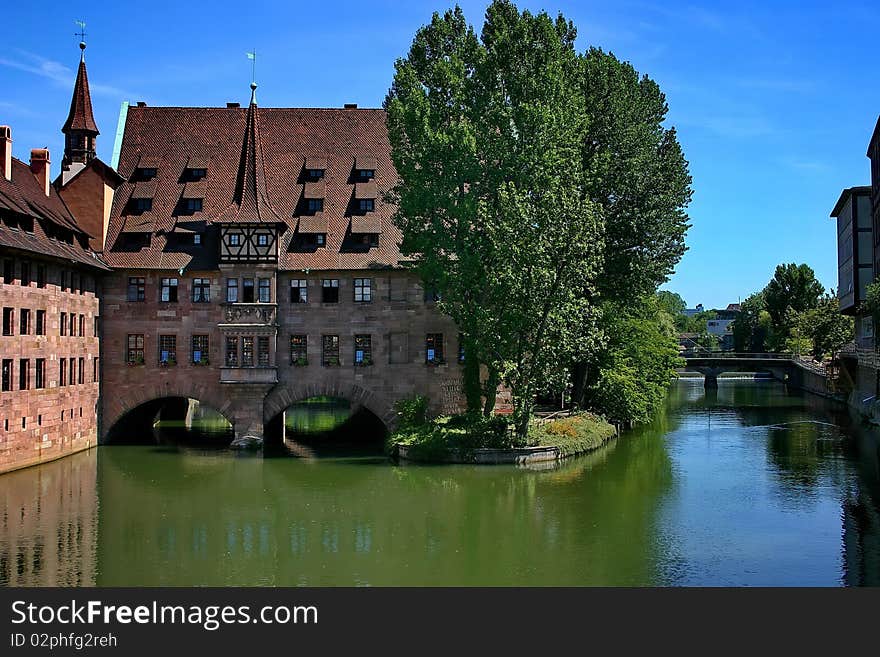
(80, 130)
(86, 184)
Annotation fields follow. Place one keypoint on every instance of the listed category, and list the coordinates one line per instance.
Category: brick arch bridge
(283, 396)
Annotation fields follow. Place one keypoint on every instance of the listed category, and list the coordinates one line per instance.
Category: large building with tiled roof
(255, 264)
(49, 346)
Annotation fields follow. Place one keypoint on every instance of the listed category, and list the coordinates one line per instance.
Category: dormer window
(196, 169)
(196, 174)
(314, 174)
(197, 239)
(142, 204)
(192, 204)
(315, 204)
(365, 174)
(364, 168)
(145, 173)
(314, 167)
(366, 204)
(319, 239)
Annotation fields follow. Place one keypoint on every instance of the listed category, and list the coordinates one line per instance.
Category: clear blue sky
(774, 101)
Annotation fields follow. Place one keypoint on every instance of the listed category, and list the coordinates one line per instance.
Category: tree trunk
(579, 373)
(491, 392)
(471, 381)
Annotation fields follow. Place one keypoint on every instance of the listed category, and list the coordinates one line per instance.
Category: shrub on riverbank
(435, 439)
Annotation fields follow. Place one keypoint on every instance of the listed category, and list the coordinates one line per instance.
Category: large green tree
(486, 137)
(826, 328)
(793, 289)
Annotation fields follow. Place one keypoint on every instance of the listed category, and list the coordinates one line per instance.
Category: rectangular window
(41, 323)
(97, 326)
(72, 319)
(24, 321)
(167, 349)
(193, 204)
(142, 204)
(329, 350)
(263, 351)
(8, 270)
(363, 289)
(62, 372)
(299, 350)
(231, 352)
(363, 350)
(314, 174)
(7, 375)
(200, 349)
(82, 326)
(24, 374)
(247, 290)
(62, 324)
(366, 204)
(135, 349)
(8, 321)
(262, 240)
(330, 290)
(366, 174)
(299, 291)
(25, 273)
(41, 275)
(197, 239)
(201, 290)
(136, 289)
(265, 290)
(72, 371)
(81, 372)
(145, 173)
(234, 239)
(232, 290)
(316, 205)
(168, 290)
(434, 347)
(40, 373)
(247, 351)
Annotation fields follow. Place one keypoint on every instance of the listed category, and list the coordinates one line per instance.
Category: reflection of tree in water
(804, 453)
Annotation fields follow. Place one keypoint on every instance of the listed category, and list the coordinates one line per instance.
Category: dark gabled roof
(24, 196)
(875, 137)
(235, 141)
(844, 196)
(80, 116)
(105, 171)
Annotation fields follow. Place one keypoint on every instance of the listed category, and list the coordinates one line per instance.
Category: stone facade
(38, 424)
(397, 319)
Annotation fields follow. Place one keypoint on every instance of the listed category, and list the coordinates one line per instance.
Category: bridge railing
(692, 353)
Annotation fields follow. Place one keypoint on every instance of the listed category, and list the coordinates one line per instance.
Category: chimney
(350, 106)
(6, 151)
(40, 167)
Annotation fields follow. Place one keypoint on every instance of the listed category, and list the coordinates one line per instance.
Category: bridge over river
(783, 366)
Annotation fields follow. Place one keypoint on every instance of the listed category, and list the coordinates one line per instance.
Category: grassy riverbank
(437, 439)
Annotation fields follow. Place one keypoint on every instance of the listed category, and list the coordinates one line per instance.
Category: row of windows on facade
(69, 281)
(253, 351)
(34, 322)
(65, 415)
(71, 371)
(248, 290)
(194, 174)
(193, 205)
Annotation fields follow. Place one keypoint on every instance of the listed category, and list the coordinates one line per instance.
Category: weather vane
(82, 30)
(253, 57)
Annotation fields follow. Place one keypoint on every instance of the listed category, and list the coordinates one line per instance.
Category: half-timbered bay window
(363, 290)
(232, 290)
(247, 290)
(234, 239)
(231, 352)
(299, 290)
(168, 290)
(330, 290)
(434, 348)
(201, 290)
(200, 349)
(134, 354)
(363, 350)
(247, 351)
(329, 350)
(263, 351)
(167, 349)
(136, 289)
(299, 350)
(264, 290)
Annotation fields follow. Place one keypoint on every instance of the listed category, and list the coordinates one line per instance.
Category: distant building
(690, 312)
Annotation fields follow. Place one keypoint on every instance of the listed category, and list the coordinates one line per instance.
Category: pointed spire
(250, 203)
(80, 116)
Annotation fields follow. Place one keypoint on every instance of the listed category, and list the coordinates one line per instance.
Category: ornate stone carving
(250, 313)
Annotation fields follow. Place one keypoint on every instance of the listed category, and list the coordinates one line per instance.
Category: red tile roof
(236, 141)
(80, 116)
(25, 196)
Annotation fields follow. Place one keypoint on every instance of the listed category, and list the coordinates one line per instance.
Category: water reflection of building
(49, 524)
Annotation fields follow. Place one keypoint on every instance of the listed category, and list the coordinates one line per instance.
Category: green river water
(746, 485)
